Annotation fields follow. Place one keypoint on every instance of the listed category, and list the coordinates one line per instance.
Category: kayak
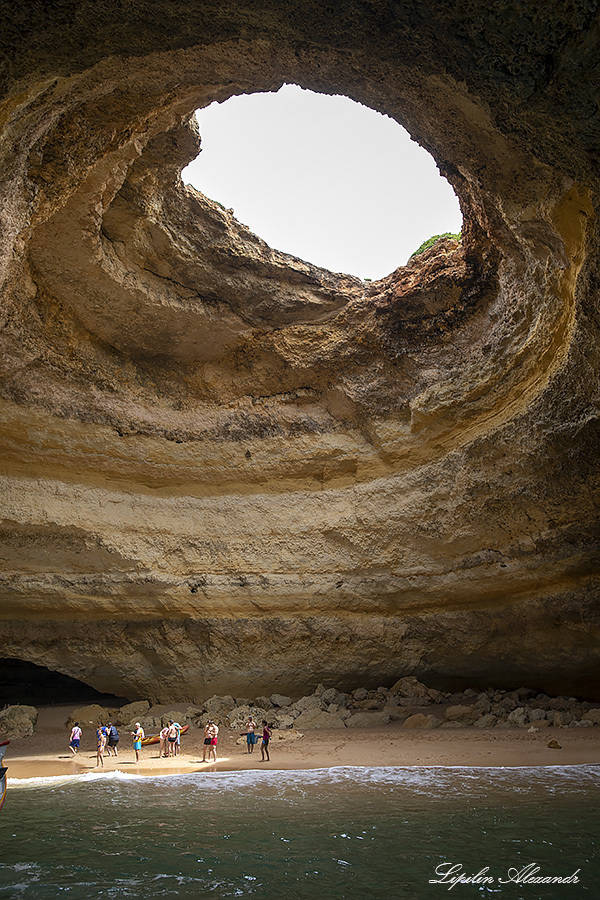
(3, 770)
(155, 738)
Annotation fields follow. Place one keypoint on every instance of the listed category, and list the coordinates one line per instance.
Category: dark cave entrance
(23, 682)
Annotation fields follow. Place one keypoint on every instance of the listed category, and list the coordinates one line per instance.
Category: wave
(409, 776)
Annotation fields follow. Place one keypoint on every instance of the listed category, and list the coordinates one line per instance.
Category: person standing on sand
(214, 736)
(113, 739)
(164, 732)
(178, 741)
(138, 736)
(172, 738)
(75, 738)
(100, 745)
(207, 739)
(266, 737)
(250, 734)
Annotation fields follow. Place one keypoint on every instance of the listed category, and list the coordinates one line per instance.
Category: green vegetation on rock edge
(431, 241)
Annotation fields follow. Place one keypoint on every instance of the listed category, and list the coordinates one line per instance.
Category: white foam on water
(410, 776)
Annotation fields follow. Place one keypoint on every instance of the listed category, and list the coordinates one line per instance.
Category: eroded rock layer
(224, 469)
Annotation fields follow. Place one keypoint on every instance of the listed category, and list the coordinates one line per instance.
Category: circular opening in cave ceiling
(323, 178)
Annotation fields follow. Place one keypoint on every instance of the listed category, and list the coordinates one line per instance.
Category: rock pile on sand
(408, 701)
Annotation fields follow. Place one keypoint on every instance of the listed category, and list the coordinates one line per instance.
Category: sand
(46, 753)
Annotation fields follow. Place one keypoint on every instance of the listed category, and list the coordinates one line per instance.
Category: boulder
(238, 717)
(317, 718)
(377, 702)
(368, 720)
(558, 703)
(411, 687)
(131, 711)
(88, 715)
(420, 720)
(17, 721)
(218, 708)
(461, 714)
(175, 715)
(519, 717)
(283, 721)
(280, 700)
(312, 702)
(263, 702)
(536, 714)
(486, 721)
(360, 694)
(593, 716)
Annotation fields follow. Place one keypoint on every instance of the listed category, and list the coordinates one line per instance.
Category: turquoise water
(341, 832)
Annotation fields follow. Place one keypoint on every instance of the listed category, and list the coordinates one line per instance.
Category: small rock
(360, 694)
(420, 720)
(553, 744)
(281, 700)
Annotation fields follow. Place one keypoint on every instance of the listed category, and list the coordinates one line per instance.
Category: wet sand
(46, 752)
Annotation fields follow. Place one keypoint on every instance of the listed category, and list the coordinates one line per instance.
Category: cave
(23, 682)
(226, 470)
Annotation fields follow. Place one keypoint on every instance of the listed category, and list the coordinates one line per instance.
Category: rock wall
(224, 469)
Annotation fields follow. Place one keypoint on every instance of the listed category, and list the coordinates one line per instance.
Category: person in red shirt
(266, 737)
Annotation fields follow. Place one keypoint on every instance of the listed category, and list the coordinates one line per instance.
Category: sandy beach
(46, 753)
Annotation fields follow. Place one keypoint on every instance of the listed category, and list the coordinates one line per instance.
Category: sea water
(328, 833)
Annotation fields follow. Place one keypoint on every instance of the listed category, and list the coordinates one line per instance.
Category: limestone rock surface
(17, 721)
(226, 470)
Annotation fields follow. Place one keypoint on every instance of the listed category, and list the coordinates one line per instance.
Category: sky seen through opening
(323, 178)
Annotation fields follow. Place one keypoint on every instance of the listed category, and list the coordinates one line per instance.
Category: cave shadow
(26, 683)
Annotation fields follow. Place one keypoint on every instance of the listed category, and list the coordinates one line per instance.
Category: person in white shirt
(75, 738)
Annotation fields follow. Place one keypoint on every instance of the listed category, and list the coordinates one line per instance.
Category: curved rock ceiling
(226, 469)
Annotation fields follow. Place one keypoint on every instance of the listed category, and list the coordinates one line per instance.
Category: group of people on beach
(107, 740)
(252, 738)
